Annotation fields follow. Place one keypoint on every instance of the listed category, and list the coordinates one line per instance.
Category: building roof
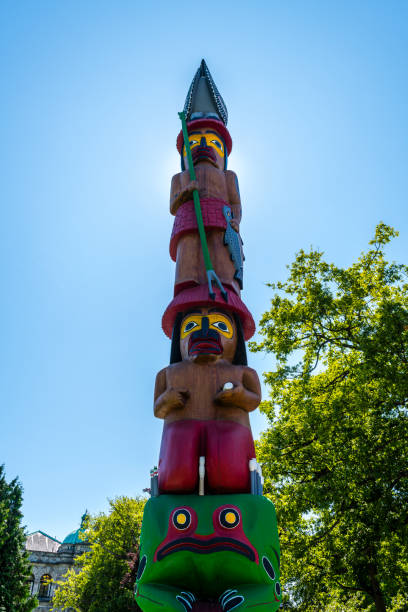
(40, 541)
(76, 537)
(73, 537)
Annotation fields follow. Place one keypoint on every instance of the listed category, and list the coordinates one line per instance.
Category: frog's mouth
(205, 546)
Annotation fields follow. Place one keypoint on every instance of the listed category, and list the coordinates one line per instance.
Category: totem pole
(209, 538)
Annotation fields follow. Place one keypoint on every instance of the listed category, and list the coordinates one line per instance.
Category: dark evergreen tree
(14, 566)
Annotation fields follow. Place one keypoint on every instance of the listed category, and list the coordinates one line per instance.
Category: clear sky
(317, 99)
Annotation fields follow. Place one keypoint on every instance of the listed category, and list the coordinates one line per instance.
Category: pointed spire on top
(203, 98)
(84, 517)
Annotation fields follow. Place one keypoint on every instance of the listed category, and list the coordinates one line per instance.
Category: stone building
(50, 559)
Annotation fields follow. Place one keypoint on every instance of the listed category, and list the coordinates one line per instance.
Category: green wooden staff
(211, 274)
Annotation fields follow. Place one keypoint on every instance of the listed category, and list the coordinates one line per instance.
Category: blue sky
(317, 97)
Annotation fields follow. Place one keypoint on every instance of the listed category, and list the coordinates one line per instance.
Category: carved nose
(203, 142)
(205, 324)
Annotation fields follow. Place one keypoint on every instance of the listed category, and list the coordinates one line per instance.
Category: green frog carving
(212, 548)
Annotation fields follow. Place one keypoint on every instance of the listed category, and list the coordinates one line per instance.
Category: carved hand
(179, 196)
(239, 396)
(176, 398)
(187, 193)
(230, 396)
(235, 225)
(171, 399)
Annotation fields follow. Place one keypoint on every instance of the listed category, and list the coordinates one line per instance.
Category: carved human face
(206, 146)
(208, 334)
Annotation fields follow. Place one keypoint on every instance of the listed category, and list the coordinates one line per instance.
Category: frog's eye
(229, 518)
(182, 519)
(278, 589)
(141, 568)
(268, 568)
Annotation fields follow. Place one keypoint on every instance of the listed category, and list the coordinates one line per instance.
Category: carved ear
(240, 357)
(175, 353)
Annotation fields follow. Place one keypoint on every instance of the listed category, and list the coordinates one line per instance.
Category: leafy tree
(335, 455)
(15, 569)
(104, 577)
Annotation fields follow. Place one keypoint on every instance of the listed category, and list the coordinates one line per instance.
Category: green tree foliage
(15, 569)
(335, 455)
(103, 579)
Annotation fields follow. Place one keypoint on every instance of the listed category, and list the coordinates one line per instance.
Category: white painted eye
(190, 325)
(221, 326)
(217, 144)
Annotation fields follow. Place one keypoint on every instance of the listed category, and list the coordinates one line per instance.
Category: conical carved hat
(203, 98)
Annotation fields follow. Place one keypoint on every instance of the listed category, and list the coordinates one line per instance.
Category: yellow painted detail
(230, 518)
(216, 320)
(211, 140)
(189, 324)
(181, 519)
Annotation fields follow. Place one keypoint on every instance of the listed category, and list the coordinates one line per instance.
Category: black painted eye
(182, 519)
(221, 326)
(268, 567)
(217, 144)
(277, 589)
(229, 518)
(141, 568)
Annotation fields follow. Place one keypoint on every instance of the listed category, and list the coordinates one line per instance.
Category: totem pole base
(212, 552)
(217, 550)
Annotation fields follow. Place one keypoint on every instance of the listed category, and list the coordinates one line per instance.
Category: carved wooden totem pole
(209, 537)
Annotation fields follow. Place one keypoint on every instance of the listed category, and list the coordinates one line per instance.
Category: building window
(45, 586)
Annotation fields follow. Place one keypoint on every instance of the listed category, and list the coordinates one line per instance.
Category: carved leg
(229, 446)
(151, 597)
(179, 452)
(256, 597)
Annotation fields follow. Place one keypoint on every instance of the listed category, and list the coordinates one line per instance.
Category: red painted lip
(204, 346)
(200, 153)
(206, 545)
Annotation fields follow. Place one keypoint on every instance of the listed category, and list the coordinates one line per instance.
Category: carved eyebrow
(190, 312)
(211, 310)
(206, 132)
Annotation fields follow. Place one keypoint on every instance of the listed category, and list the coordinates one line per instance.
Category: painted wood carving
(209, 538)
